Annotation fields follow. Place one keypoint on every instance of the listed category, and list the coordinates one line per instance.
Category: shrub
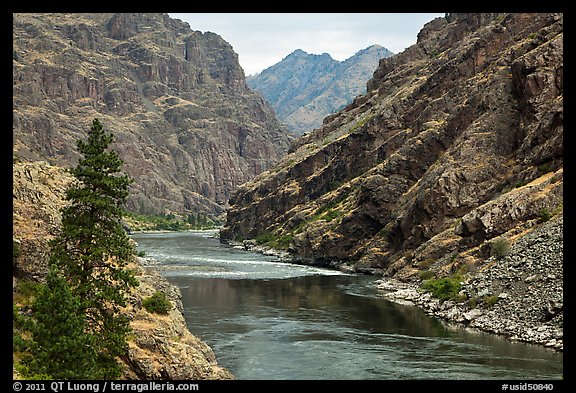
(473, 302)
(544, 215)
(500, 248)
(426, 274)
(489, 300)
(331, 215)
(265, 237)
(425, 264)
(271, 240)
(283, 242)
(157, 303)
(443, 288)
(26, 291)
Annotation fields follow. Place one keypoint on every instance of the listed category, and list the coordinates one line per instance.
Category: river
(270, 320)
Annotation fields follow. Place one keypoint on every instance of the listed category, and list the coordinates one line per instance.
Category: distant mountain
(304, 88)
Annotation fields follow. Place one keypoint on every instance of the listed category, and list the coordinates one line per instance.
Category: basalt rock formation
(458, 142)
(187, 126)
(304, 88)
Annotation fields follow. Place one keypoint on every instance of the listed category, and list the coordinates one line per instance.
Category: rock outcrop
(187, 126)
(38, 191)
(458, 141)
(161, 346)
(304, 88)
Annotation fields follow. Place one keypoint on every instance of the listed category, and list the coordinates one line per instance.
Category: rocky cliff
(458, 142)
(187, 126)
(304, 88)
(160, 346)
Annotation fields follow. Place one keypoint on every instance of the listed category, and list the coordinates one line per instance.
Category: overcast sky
(263, 39)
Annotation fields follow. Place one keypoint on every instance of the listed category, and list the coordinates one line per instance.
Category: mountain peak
(375, 48)
(301, 54)
(303, 88)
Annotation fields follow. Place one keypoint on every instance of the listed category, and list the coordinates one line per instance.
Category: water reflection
(324, 323)
(281, 321)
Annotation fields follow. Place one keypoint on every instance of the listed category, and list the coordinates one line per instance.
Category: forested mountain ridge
(304, 88)
(187, 126)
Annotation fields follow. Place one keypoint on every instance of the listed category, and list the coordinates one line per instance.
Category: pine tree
(93, 250)
(59, 346)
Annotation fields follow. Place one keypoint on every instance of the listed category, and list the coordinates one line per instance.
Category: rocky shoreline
(526, 287)
(252, 246)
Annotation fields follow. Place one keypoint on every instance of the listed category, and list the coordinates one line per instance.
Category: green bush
(425, 264)
(500, 248)
(489, 300)
(265, 237)
(443, 288)
(544, 215)
(426, 274)
(331, 215)
(283, 242)
(473, 302)
(271, 240)
(157, 303)
(26, 291)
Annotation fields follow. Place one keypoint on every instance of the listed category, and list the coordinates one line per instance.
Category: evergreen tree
(92, 249)
(60, 347)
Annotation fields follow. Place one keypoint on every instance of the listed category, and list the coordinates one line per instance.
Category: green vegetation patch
(26, 291)
(265, 238)
(157, 303)
(499, 248)
(426, 274)
(446, 288)
(489, 300)
(271, 240)
(170, 222)
(544, 215)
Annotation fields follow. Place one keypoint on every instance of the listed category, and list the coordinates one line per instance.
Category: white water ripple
(184, 254)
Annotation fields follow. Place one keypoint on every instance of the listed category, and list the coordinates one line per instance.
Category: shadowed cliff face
(187, 127)
(434, 161)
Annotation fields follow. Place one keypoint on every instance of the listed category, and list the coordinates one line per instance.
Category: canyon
(187, 126)
(456, 147)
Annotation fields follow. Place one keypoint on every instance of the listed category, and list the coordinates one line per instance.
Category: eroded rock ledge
(162, 347)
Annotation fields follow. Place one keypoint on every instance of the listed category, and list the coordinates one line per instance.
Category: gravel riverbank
(526, 286)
